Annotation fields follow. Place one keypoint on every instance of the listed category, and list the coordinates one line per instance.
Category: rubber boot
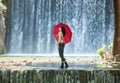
(66, 65)
(62, 65)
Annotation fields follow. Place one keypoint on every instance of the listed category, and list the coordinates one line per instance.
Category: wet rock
(29, 64)
(19, 64)
(11, 61)
(25, 61)
(5, 65)
(2, 61)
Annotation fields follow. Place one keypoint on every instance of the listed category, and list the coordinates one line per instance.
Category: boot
(66, 65)
(62, 65)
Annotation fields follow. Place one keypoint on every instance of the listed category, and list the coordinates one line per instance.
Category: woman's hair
(63, 30)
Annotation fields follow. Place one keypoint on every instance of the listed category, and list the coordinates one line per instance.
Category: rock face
(60, 76)
(2, 33)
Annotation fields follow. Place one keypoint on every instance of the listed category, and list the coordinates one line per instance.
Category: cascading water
(31, 25)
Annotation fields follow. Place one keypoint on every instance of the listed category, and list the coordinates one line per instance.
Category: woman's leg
(61, 51)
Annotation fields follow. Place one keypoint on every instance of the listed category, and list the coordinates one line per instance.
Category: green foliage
(2, 6)
(2, 51)
(101, 51)
(110, 47)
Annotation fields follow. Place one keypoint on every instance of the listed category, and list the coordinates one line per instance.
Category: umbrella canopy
(68, 33)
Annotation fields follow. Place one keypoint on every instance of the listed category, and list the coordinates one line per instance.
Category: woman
(61, 46)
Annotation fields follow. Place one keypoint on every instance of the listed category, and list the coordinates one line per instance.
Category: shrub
(2, 51)
(101, 51)
(2, 6)
(110, 47)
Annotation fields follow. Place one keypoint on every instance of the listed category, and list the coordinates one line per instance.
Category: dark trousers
(61, 51)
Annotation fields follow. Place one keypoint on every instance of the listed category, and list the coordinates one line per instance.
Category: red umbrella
(68, 34)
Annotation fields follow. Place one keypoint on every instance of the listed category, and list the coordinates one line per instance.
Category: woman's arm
(59, 38)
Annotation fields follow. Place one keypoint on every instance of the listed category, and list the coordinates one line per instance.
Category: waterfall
(31, 25)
